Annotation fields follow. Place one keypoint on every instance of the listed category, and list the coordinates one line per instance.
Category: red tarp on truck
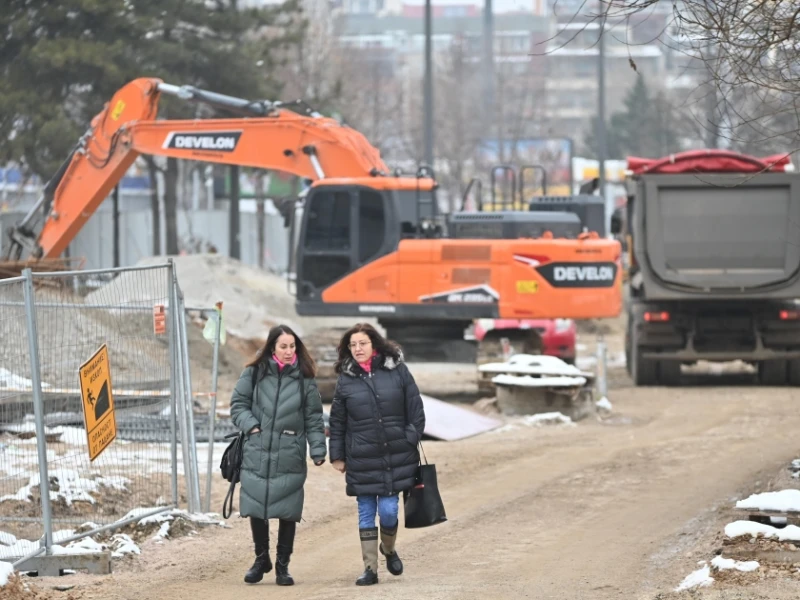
(708, 161)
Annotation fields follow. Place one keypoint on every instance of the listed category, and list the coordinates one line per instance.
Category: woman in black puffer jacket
(377, 419)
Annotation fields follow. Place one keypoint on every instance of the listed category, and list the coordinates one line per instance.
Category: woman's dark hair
(380, 344)
(304, 360)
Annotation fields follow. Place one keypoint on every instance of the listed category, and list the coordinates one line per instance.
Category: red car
(558, 335)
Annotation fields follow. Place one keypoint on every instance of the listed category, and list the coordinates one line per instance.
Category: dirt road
(618, 509)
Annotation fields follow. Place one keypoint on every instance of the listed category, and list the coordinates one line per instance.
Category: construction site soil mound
(253, 300)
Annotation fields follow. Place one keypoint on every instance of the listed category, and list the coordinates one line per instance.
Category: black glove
(319, 461)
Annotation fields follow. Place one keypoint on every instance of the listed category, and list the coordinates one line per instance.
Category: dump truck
(714, 238)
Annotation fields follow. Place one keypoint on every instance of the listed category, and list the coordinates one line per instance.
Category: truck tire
(772, 372)
(669, 372)
(793, 371)
(644, 371)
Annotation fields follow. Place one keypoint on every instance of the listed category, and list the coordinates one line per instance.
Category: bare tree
(746, 56)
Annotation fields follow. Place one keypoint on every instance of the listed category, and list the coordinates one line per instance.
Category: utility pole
(601, 126)
(488, 62)
(428, 85)
(234, 216)
(115, 223)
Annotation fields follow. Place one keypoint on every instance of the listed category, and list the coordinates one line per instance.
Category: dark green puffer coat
(274, 465)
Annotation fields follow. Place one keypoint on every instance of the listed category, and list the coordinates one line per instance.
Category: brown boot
(369, 552)
(388, 539)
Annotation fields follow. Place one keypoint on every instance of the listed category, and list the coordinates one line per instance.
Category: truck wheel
(669, 372)
(772, 372)
(793, 371)
(643, 370)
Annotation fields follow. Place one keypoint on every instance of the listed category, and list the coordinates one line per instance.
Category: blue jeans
(385, 506)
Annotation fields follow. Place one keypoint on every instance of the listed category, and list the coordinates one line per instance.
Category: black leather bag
(423, 504)
(231, 467)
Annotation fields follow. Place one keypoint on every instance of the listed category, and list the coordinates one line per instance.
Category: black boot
(286, 533)
(282, 576)
(262, 564)
(369, 553)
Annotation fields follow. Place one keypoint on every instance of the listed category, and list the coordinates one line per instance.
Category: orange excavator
(372, 243)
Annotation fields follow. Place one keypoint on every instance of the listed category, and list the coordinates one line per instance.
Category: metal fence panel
(74, 319)
(20, 510)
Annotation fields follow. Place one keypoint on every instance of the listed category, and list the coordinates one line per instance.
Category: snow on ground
(71, 487)
(6, 570)
(700, 578)
(120, 544)
(781, 501)
(537, 420)
(604, 405)
(723, 564)
(790, 533)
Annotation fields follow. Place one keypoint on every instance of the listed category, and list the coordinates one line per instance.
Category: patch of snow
(163, 531)
(700, 578)
(72, 436)
(71, 487)
(122, 544)
(551, 418)
(781, 501)
(12, 381)
(543, 381)
(62, 534)
(533, 364)
(723, 564)
(753, 529)
(6, 570)
(604, 404)
(87, 544)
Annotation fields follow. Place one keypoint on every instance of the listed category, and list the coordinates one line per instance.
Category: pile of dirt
(253, 300)
(70, 334)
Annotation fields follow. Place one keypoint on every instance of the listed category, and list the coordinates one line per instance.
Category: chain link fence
(110, 362)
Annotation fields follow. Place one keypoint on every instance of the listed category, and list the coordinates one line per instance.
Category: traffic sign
(98, 402)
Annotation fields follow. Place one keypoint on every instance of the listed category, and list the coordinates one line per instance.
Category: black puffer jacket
(376, 421)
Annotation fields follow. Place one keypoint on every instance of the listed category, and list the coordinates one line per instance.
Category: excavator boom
(305, 144)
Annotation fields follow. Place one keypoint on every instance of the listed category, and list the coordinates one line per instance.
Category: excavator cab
(349, 223)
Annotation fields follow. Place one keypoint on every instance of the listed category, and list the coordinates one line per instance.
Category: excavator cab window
(371, 224)
(343, 228)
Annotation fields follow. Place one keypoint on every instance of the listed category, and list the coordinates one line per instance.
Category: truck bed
(711, 235)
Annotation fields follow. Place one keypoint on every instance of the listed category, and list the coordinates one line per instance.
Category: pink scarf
(367, 366)
(281, 364)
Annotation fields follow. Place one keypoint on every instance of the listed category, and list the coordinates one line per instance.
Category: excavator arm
(269, 135)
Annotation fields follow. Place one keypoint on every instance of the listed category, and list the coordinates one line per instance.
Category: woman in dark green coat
(277, 403)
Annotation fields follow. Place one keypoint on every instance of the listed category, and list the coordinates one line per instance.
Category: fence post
(38, 408)
(173, 388)
(212, 411)
(194, 478)
(180, 392)
(602, 367)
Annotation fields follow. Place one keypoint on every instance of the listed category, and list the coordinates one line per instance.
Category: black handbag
(423, 504)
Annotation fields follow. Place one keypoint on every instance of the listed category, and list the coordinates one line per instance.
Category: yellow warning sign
(98, 402)
(527, 287)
